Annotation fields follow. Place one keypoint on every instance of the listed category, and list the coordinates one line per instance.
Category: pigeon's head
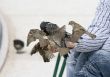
(43, 26)
(48, 27)
(51, 28)
(71, 23)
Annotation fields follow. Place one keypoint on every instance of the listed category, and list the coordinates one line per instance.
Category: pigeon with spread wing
(47, 42)
(42, 46)
(37, 34)
(78, 31)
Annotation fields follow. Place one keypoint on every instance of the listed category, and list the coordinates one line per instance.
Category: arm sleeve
(100, 27)
(86, 44)
(102, 15)
(106, 2)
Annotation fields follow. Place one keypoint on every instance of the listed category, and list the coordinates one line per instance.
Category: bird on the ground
(18, 45)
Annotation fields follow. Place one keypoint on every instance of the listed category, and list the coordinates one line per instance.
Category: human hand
(70, 44)
(52, 49)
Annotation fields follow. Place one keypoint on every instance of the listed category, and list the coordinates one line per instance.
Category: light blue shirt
(100, 27)
(91, 58)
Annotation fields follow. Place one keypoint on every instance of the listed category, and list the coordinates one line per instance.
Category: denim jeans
(90, 64)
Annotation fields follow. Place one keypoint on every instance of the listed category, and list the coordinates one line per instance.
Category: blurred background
(23, 15)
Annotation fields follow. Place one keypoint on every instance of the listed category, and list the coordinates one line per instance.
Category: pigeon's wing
(43, 54)
(46, 54)
(49, 54)
(45, 59)
(82, 30)
(35, 48)
(43, 41)
(77, 31)
(33, 35)
(37, 34)
(77, 34)
(59, 35)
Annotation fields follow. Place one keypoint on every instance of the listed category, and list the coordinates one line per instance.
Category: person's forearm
(86, 44)
(100, 27)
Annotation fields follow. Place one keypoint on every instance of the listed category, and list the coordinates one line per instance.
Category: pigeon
(18, 45)
(43, 52)
(37, 34)
(78, 31)
(43, 46)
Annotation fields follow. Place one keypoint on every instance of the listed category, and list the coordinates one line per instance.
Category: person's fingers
(52, 49)
(70, 44)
